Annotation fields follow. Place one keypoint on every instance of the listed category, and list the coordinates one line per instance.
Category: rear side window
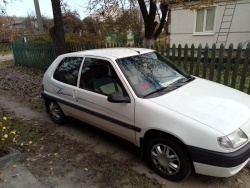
(68, 69)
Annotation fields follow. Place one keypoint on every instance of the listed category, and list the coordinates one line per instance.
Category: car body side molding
(126, 125)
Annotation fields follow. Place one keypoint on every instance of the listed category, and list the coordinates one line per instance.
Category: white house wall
(182, 25)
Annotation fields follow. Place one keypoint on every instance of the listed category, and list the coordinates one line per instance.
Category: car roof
(112, 52)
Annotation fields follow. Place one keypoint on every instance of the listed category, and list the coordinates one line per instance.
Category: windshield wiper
(172, 86)
(166, 89)
(183, 80)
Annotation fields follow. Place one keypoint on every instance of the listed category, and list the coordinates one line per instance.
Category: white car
(180, 122)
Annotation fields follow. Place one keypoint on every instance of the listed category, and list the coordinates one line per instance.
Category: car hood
(217, 106)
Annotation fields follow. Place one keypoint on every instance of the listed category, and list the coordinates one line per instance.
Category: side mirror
(117, 97)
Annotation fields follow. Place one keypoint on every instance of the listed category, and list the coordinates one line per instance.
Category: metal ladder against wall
(226, 22)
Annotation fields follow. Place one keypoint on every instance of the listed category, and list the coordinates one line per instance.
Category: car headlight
(233, 140)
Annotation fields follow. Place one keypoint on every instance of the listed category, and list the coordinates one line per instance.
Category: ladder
(226, 22)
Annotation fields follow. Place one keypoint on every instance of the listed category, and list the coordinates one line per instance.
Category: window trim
(210, 32)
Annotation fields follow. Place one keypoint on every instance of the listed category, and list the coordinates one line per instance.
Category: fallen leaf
(86, 169)
(14, 166)
(42, 138)
(50, 163)
(5, 180)
(28, 159)
(42, 147)
(30, 142)
(239, 180)
(162, 183)
(33, 160)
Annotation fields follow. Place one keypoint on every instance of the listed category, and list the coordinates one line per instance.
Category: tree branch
(164, 10)
(144, 11)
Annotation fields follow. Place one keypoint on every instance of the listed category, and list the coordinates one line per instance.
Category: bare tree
(150, 9)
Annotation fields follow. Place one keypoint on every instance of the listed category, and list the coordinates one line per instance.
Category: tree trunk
(57, 31)
(149, 20)
(148, 42)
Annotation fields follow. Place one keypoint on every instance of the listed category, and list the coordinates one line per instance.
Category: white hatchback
(180, 122)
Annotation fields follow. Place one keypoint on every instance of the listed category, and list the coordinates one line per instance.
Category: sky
(23, 7)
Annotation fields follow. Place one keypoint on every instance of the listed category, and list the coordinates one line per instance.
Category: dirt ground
(76, 154)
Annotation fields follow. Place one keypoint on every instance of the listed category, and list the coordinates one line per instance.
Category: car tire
(168, 158)
(56, 112)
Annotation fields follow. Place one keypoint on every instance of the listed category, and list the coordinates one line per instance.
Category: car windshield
(150, 73)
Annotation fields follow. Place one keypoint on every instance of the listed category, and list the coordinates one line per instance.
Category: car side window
(68, 69)
(99, 76)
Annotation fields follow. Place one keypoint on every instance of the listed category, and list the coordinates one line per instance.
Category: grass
(6, 64)
(25, 138)
(4, 48)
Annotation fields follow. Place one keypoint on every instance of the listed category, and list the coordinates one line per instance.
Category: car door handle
(75, 95)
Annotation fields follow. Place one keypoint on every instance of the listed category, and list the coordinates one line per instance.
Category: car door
(64, 82)
(97, 80)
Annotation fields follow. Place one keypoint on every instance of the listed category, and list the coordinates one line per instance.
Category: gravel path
(5, 57)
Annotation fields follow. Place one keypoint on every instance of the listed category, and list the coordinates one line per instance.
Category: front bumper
(217, 171)
(219, 164)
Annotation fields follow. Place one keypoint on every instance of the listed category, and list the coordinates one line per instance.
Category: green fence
(37, 55)
(229, 67)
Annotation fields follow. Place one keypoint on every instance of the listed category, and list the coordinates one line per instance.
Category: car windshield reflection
(150, 73)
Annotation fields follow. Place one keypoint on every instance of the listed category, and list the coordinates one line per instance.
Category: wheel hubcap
(165, 159)
(54, 110)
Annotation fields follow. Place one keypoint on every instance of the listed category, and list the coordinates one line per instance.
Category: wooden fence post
(192, 60)
(222, 47)
(236, 65)
(185, 56)
(229, 59)
(179, 55)
(173, 53)
(198, 60)
(204, 75)
(211, 75)
(167, 51)
(244, 70)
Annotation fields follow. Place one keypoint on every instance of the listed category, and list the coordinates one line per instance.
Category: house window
(205, 21)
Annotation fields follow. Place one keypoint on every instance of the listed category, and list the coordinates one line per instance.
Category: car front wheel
(56, 112)
(168, 158)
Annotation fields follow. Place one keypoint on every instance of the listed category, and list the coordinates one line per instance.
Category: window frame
(204, 32)
(101, 58)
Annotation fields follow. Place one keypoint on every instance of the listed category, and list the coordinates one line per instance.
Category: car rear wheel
(168, 158)
(56, 112)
